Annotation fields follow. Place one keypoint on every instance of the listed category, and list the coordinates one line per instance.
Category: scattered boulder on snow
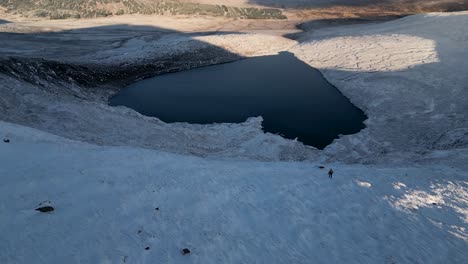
(6, 140)
(45, 209)
(147, 248)
(321, 167)
(157, 208)
(185, 251)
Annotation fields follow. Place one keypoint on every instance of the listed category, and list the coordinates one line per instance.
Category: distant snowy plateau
(132, 189)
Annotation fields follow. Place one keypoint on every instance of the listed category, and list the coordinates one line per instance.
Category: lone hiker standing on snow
(330, 173)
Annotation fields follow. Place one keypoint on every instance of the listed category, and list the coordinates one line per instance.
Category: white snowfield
(410, 76)
(105, 201)
(399, 193)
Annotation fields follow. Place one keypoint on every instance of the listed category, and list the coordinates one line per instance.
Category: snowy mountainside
(122, 192)
(133, 205)
(408, 75)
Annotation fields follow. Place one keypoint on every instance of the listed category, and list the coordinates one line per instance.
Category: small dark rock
(157, 208)
(185, 251)
(139, 231)
(6, 140)
(147, 248)
(45, 209)
(321, 167)
(434, 203)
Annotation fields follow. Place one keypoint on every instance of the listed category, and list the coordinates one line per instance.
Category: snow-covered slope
(105, 201)
(402, 197)
(410, 76)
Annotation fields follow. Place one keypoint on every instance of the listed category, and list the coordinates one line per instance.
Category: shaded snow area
(98, 123)
(81, 113)
(132, 205)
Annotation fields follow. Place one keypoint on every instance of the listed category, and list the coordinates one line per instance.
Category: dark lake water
(293, 98)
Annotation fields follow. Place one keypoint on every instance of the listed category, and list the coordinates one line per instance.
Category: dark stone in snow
(45, 209)
(321, 167)
(147, 248)
(6, 140)
(434, 203)
(185, 251)
(157, 208)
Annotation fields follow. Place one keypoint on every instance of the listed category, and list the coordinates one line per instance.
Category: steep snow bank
(410, 76)
(105, 201)
(95, 122)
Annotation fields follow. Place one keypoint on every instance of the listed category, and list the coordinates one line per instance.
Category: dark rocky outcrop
(45, 209)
